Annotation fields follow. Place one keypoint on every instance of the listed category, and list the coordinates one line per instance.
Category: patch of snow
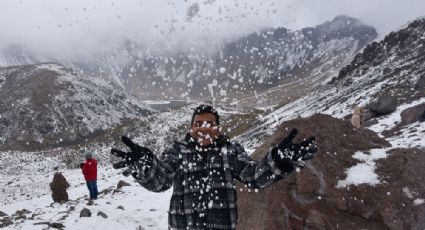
(363, 173)
(408, 192)
(391, 120)
(418, 201)
(157, 102)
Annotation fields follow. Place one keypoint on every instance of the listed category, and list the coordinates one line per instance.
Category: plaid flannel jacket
(204, 194)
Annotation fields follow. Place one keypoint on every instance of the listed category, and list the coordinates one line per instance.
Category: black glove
(288, 155)
(81, 165)
(138, 156)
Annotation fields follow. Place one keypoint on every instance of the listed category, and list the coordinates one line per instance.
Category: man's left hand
(288, 155)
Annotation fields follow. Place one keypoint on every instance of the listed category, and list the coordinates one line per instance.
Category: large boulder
(413, 114)
(315, 198)
(408, 116)
(384, 105)
(58, 187)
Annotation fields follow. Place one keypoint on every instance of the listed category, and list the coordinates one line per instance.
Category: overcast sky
(81, 27)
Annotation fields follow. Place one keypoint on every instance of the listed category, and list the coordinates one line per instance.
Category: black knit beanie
(206, 109)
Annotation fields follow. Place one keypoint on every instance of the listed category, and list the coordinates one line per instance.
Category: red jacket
(90, 169)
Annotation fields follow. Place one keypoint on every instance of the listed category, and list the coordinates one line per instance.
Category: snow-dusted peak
(49, 105)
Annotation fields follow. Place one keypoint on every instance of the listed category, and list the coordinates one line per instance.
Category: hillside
(390, 67)
(48, 105)
(369, 178)
(242, 67)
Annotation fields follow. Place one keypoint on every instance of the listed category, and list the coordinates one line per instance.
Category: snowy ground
(26, 187)
(142, 209)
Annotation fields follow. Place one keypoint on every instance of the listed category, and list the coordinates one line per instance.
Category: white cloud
(81, 27)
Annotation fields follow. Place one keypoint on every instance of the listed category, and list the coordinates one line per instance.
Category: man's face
(204, 129)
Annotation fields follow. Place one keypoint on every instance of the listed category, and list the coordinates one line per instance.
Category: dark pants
(92, 186)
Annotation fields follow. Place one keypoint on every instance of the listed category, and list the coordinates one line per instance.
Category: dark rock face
(404, 176)
(413, 114)
(408, 116)
(384, 105)
(58, 187)
(311, 199)
(421, 83)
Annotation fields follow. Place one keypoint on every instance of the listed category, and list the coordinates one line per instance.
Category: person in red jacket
(89, 169)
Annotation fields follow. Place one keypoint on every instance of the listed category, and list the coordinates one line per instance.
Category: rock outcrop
(313, 198)
(58, 187)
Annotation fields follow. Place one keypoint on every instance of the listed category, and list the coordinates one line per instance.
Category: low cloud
(81, 28)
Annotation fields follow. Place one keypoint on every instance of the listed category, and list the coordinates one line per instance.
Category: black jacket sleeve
(255, 174)
(158, 176)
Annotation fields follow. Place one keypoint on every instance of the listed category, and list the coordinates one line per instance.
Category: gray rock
(122, 183)
(102, 214)
(51, 224)
(57, 225)
(21, 214)
(85, 213)
(5, 222)
(413, 114)
(384, 105)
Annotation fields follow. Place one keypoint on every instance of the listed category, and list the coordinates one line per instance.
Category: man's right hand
(138, 154)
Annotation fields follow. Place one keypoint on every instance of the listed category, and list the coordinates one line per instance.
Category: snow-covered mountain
(356, 181)
(245, 66)
(48, 105)
(389, 67)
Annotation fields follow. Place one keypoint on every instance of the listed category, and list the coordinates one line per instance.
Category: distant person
(203, 168)
(89, 169)
(357, 117)
(58, 186)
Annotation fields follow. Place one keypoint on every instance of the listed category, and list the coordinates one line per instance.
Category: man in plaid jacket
(203, 169)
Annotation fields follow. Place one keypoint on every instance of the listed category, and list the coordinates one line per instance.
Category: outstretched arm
(255, 174)
(158, 175)
(280, 161)
(152, 173)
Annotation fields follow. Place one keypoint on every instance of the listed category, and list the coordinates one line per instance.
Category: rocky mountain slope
(391, 67)
(358, 179)
(361, 178)
(48, 105)
(355, 181)
(241, 68)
